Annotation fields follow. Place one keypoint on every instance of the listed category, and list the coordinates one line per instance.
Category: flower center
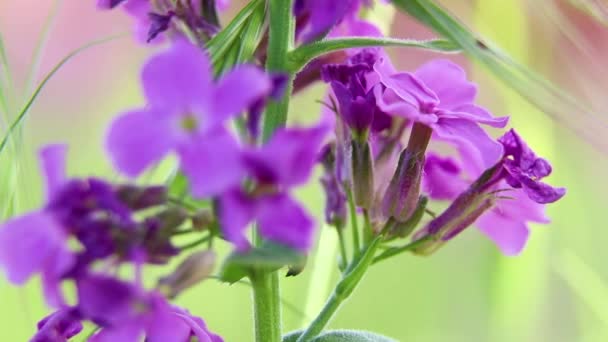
(189, 123)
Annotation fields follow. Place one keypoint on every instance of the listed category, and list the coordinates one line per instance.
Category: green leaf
(229, 38)
(341, 336)
(269, 257)
(555, 102)
(57, 67)
(299, 57)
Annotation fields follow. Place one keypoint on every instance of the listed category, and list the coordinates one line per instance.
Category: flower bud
(194, 269)
(202, 220)
(404, 229)
(462, 213)
(363, 173)
(140, 197)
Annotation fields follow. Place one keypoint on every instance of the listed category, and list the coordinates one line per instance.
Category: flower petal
(212, 163)
(476, 114)
(52, 160)
(284, 221)
(466, 132)
(448, 81)
(239, 89)
(32, 243)
(236, 210)
(138, 139)
(508, 234)
(179, 80)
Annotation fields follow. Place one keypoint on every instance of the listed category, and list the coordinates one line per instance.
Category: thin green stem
(343, 253)
(354, 273)
(266, 304)
(368, 233)
(398, 250)
(353, 221)
(195, 243)
(280, 42)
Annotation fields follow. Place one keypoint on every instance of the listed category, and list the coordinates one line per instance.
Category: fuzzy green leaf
(341, 336)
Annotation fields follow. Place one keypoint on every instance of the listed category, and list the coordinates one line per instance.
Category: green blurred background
(557, 290)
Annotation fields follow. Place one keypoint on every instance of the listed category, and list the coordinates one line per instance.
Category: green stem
(343, 290)
(398, 250)
(280, 42)
(368, 233)
(344, 255)
(353, 221)
(267, 308)
(267, 304)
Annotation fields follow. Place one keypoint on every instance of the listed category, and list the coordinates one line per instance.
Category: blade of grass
(561, 106)
(30, 101)
(40, 46)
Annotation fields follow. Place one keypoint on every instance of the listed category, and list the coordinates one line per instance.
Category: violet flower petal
(448, 81)
(138, 139)
(239, 89)
(283, 220)
(53, 161)
(212, 163)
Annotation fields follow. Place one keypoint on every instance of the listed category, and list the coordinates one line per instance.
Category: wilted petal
(52, 160)
(541, 192)
(448, 81)
(284, 221)
(508, 234)
(240, 89)
(212, 163)
(138, 139)
(179, 80)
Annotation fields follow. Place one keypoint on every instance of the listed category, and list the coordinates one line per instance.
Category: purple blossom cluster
(497, 186)
(375, 142)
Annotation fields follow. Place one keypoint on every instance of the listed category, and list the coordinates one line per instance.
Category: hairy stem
(280, 42)
(265, 283)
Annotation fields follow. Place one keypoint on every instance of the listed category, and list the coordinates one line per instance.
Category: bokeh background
(557, 290)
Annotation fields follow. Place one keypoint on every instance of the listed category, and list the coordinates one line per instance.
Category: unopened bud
(193, 270)
(461, 214)
(401, 197)
(404, 229)
(140, 197)
(202, 220)
(363, 174)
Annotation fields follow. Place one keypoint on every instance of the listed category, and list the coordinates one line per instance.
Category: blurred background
(557, 290)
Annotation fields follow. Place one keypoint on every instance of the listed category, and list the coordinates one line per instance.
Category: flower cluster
(392, 180)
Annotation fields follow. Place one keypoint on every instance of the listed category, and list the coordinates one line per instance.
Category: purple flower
(127, 313)
(185, 113)
(36, 243)
(438, 95)
(501, 202)
(108, 4)
(59, 326)
(526, 170)
(284, 162)
(324, 15)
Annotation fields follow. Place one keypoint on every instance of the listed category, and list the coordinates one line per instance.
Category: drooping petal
(138, 139)
(541, 192)
(283, 220)
(179, 80)
(508, 234)
(448, 81)
(212, 163)
(59, 326)
(106, 300)
(238, 90)
(236, 211)
(52, 160)
(33, 243)
(467, 132)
